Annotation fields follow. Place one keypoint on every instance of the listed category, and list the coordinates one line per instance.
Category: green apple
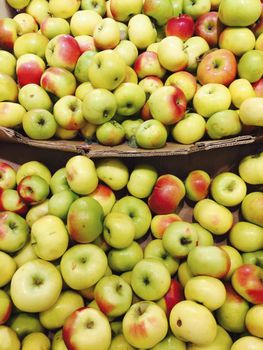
(144, 324)
(83, 22)
(195, 47)
(179, 238)
(204, 237)
(110, 133)
(8, 88)
(42, 284)
(36, 339)
(33, 167)
(120, 343)
(242, 14)
(67, 302)
(217, 127)
(240, 90)
(230, 39)
(213, 216)
(109, 64)
(127, 51)
(185, 81)
(63, 9)
(206, 290)
(247, 342)
(177, 9)
(170, 342)
(190, 129)
(39, 124)
(31, 43)
(113, 295)
(83, 265)
(251, 208)
(235, 259)
(24, 323)
(252, 320)
(99, 106)
(33, 189)
(53, 26)
(160, 11)
(14, 231)
(59, 181)
(196, 8)
(64, 134)
(151, 134)
(25, 23)
(98, 6)
(68, 112)
(246, 237)
(130, 127)
(80, 71)
(182, 322)
(7, 63)
(130, 98)
(211, 98)
(231, 315)
(86, 43)
(208, 260)
(5, 307)
(60, 202)
(105, 196)
(106, 34)
(197, 185)
(58, 342)
(7, 176)
(82, 90)
(141, 32)
(81, 175)
(9, 337)
(253, 258)
(249, 168)
(155, 249)
(150, 279)
(11, 114)
(113, 172)
(25, 254)
(38, 9)
(184, 273)
(142, 179)
(121, 260)
(33, 96)
(85, 219)
(10, 268)
(171, 53)
(250, 111)
(250, 65)
(138, 210)
(49, 237)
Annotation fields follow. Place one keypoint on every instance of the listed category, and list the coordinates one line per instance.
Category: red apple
(145, 112)
(258, 87)
(167, 193)
(29, 69)
(247, 280)
(197, 185)
(209, 27)
(147, 64)
(219, 66)
(182, 26)
(160, 222)
(8, 33)
(11, 201)
(173, 296)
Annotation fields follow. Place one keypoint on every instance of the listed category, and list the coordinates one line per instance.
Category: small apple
(160, 222)
(127, 50)
(98, 6)
(190, 129)
(246, 237)
(247, 341)
(36, 339)
(235, 259)
(32, 96)
(10, 200)
(249, 169)
(250, 65)
(113, 172)
(11, 114)
(197, 184)
(8, 30)
(7, 176)
(63, 9)
(5, 308)
(147, 64)
(53, 26)
(122, 12)
(250, 111)
(8, 88)
(24, 323)
(33, 167)
(252, 321)
(105, 196)
(251, 208)
(195, 47)
(240, 90)
(204, 237)
(196, 8)
(7, 63)
(141, 181)
(182, 26)
(141, 31)
(68, 112)
(151, 134)
(25, 254)
(217, 128)
(208, 27)
(171, 54)
(38, 9)
(86, 43)
(29, 68)
(80, 71)
(84, 22)
(106, 34)
(185, 81)
(130, 98)
(161, 10)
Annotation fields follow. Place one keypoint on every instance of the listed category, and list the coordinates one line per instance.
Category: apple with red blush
(147, 64)
(105, 196)
(197, 185)
(257, 27)
(182, 26)
(8, 33)
(258, 87)
(29, 69)
(11, 201)
(7, 176)
(209, 27)
(174, 295)
(159, 223)
(167, 194)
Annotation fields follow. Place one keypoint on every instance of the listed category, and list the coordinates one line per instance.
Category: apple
(151, 134)
(8, 88)
(25, 254)
(247, 341)
(105, 196)
(231, 315)
(58, 342)
(38, 9)
(53, 26)
(107, 63)
(24, 323)
(190, 129)
(32, 96)
(182, 323)
(58, 181)
(196, 8)
(42, 285)
(33, 167)
(127, 51)
(184, 273)
(182, 26)
(155, 249)
(208, 27)
(174, 295)
(147, 64)
(8, 30)
(141, 181)
(141, 32)
(251, 208)
(240, 90)
(82, 90)
(113, 172)
(10, 268)
(171, 54)
(10, 200)
(84, 22)
(130, 127)
(83, 265)
(217, 67)
(11, 114)
(246, 237)
(159, 10)
(247, 282)
(7, 63)
(130, 98)
(34, 43)
(36, 339)
(130, 76)
(248, 12)
(167, 193)
(160, 222)
(250, 65)
(206, 290)
(179, 238)
(97, 6)
(86, 43)
(119, 342)
(197, 184)
(68, 112)
(64, 134)
(122, 12)
(248, 168)
(113, 295)
(85, 220)
(80, 71)
(217, 128)
(18, 4)
(87, 328)
(150, 279)
(63, 9)
(29, 68)
(204, 237)
(195, 47)
(230, 39)
(211, 98)
(250, 111)
(60, 202)
(208, 260)
(6, 307)
(39, 124)
(144, 325)
(106, 34)
(67, 302)
(252, 320)
(7, 176)
(122, 260)
(185, 81)
(8, 336)
(259, 43)
(258, 87)
(58, 81)
(236, 259)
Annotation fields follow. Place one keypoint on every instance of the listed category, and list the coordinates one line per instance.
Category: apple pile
(100, 256)
(138, 71)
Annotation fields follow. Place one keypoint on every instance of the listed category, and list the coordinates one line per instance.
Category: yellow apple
(240, 90)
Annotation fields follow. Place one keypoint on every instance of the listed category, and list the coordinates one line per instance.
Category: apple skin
(106, 34)
(15, 113)
(182, 26)
(151, 134)
(231, 315)
(197, 184)
(250, 65)
(236, 259)
(63, 9)
(38, 9)
(77, 335)
(24, 323)
(171, 54)
(182, 323)
(53, 26)
(204, 237)
(217, 128)
(84, 22)
(167, 193)
(8, 88)
(31, 43)
(122, 12)
(85, 219)
(141, 31)
(33, 189)
(230, 39)
(208, 260)
(247, 282)
(8, 30)
(130, 98)
(142, 180)
(250, 111)
(251, 208)
(113, 172)
(160, 11)
(209, 27)
(36, 339)
(31, 97)
(10, 200)
(147, 64)
(119, 342)
(174, 295)
(7, 63)
(160, 222)
(128, 51)
(184, 273)
(68, 113)
(249, 169)
(6, 307)
(8, 336)
(80, 71)
(58, 81)
(240, 90)
(247, 342)
(246, 237)
(219, 66)
(29, 68)
(59, 203)
(195, 47)
(33, 167)
(105, 196)
(144, 324)
(10, 268)
(252, 321)
(185, 81)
